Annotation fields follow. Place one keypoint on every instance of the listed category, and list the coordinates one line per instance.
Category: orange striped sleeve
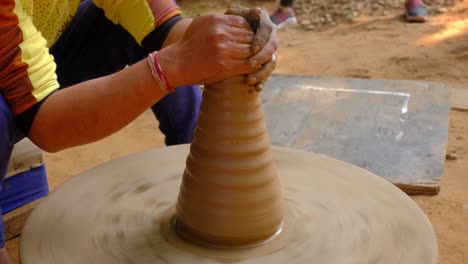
(27, 70)
(162, 10)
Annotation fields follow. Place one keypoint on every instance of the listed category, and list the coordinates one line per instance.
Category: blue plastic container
(23, 189)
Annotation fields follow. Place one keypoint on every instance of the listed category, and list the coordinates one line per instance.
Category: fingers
(243, 36)
(236, 21)
(238, 51)
(265, 54)
(239, 46)
(237, 67)
(258, 79)
(234, 45)
(265, 31)
(265, 42)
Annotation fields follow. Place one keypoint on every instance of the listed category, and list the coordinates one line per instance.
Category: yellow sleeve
(27, 70)
(138, 17)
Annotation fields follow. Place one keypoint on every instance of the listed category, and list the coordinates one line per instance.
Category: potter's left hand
(264, 44)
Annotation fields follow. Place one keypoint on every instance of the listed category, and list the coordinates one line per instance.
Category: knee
(6, 137)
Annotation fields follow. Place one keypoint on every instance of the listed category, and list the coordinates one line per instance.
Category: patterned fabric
(27, 70)
(50, 16)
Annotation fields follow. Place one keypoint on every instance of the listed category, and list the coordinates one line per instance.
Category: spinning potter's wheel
(119, 211)
(222, 201)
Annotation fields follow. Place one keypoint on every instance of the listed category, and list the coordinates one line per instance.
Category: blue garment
(7, 137)
(91, 47)
(7, 132)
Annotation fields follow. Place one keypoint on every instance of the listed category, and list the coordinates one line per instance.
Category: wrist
(159, 73)
(168, 61)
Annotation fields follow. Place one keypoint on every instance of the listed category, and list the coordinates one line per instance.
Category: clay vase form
(230, 193)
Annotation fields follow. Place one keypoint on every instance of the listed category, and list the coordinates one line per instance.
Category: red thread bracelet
(158, 72)
(160, 82)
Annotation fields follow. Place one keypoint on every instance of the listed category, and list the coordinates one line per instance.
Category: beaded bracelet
(158, 74)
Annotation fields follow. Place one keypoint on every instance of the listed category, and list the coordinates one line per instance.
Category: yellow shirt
(50, 17)
(29, 27)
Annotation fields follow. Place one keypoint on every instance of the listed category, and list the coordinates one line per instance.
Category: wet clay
(116, 213)
(230, 193)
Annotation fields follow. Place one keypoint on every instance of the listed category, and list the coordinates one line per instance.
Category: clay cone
(230, 193)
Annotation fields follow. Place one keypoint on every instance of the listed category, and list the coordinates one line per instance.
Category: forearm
(92, 110)
(212, 48)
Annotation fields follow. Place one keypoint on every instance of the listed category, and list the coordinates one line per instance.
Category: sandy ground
(385, 48)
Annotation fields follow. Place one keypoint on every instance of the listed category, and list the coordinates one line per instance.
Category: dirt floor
(385, 47)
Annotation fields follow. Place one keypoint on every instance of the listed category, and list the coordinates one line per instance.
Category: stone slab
(395, 129)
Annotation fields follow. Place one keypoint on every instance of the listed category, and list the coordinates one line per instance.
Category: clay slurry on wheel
(334, 220)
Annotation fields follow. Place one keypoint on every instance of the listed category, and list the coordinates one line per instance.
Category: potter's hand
(264, 44)
(213, 48)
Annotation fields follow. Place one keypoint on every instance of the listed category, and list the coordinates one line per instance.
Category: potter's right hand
(213, 48)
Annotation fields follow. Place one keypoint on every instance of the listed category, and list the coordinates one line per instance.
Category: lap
(92, 46)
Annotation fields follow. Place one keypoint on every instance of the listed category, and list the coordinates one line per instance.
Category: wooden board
(412, 189)
(25, 156)
(15, 220)
(459, 98)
